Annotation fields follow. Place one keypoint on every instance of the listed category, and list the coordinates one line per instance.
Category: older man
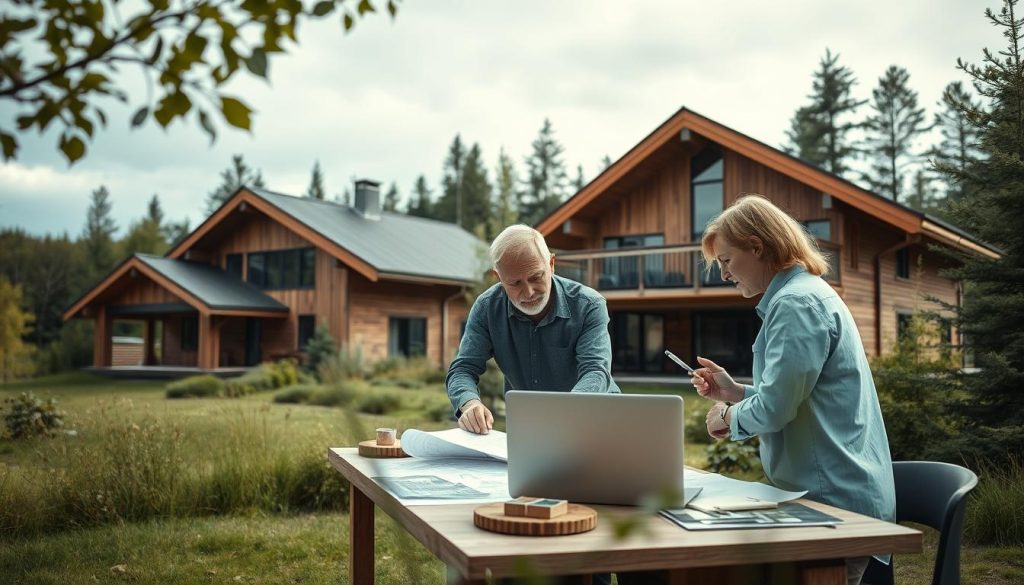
(545, 332)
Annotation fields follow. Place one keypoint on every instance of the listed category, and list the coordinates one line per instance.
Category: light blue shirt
(568, 350)
(813, 402)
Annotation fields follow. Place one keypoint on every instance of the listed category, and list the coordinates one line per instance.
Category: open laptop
(593, 448)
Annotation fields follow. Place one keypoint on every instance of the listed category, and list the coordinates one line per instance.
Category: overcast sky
(385, 101)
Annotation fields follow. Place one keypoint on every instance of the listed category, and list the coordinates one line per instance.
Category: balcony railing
(661, 267)
(639, 269)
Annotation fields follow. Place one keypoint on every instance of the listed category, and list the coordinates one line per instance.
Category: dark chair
(933, 494)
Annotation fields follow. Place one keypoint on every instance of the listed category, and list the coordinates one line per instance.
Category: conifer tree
(958, 147)
(891, 130)
(316, 184)
(147, 235)
(476, 190)
(391, 198)
(15, 325)
(233, 177)
(506, 205)
(579, 181)
(449, 206)
(419, 202)
(819, 131)
(606, 162)
(546, 180)
(992, 317)
(98, 234)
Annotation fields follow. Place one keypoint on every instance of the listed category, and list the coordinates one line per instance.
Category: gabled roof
(882, 208)
(393, 246)
(203, 287)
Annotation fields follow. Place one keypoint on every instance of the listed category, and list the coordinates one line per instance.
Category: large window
(407, 336)
(819, 228)
(233, 265)
(283, 269)
(189, 333)
(726, 337)
(623, 272)
(706, 188)
(637, 342)
(903, 263)
(307, 325)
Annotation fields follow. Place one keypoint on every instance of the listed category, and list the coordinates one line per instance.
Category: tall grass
(995, 511)
(146, 466)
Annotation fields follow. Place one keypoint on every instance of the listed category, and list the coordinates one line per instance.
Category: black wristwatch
(725, 410)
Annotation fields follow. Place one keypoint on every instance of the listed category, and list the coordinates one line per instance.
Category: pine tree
(606, 162)
(98, 234)
(419, 202)
(546, 180)
(922, 196)
(316, 184)
(506, 205)
(992, 317)
(449, 206)
(578, 182)
(391, 198)
(819, 131)
(237, 175)
(147, 235)
(896, 123)
(175, 232)
(958, 148)
(476, 190)
(15, 324)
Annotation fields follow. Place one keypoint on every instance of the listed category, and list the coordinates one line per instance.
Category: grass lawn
(254, 544)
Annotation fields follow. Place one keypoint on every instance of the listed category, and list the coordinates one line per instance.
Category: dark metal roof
(395, 243)
(213, 287)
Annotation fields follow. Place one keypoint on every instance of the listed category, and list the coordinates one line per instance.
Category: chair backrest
(933, 494)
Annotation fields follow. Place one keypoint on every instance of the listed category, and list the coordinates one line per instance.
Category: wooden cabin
(634, 234)
(255, 280)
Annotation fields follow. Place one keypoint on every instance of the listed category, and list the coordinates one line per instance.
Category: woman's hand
(714, 383)
(718, 425)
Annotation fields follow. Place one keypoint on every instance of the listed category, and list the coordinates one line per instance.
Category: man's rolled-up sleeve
(796, 347)
(594, 351)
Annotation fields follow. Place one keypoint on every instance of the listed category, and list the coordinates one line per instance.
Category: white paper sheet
(455, 443)
(487, 476)
(718, 486)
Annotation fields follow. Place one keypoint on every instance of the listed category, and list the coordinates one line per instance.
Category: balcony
(657, 271)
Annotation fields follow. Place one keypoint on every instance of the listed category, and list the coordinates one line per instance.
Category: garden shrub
(203, 386)
(268, 376)
(993, 514)
(296, 394)
(695, 429)
(339, 394)
(319, 348)
(29, 416)
(731, 456)
(379, 403)
(346, 364)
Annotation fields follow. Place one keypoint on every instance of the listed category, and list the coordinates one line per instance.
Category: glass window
(407, 336)
(308, 277)
(291, 269)
(726, 337)
(307, 325)
(903, 263)
(233, 265)
(257, 269)
(820, 228)
(637, 342)
(190, 333)
(275, 270)
(707, 198)
(903, 324)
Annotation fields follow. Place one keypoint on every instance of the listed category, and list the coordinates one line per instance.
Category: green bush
(319, 348)
(203, 386)
(731, 456)
(340, 394)
(438, 411)
(346, 364)
(995, 510)
(397, 382)
(492, 385)
(296, 394)
(695, 429)
(268, 376)
(29, 416)
(379, 403)
(916, 383)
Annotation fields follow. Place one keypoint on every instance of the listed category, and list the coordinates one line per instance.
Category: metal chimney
(367, 203)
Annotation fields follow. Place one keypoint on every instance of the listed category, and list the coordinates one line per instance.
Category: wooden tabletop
(448, 532)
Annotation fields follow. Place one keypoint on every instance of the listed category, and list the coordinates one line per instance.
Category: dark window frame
(807, 226)
(903, 264)
(300, 277)
(697, 232)
(305, 328)
(190, 333)
(394, 346)
(228, 258)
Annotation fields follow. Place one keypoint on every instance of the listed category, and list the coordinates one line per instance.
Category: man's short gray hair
(518, 239)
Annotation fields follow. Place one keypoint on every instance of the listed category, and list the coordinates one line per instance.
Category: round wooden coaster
(372, 449)
(492, 517)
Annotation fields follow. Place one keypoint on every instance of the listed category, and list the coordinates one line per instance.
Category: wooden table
(807, 555)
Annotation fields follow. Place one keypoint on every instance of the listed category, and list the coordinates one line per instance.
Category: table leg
(823, 573)
(360, 549)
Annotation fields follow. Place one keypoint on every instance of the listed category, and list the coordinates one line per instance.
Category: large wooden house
(254, 280)
(634, 235)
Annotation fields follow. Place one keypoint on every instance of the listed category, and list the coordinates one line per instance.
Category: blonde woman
(813, 402)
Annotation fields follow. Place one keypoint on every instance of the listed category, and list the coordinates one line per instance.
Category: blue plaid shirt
(568, 350)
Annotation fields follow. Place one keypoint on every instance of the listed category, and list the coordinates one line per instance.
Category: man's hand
(714, 383)
(718, 428)
(476, 418)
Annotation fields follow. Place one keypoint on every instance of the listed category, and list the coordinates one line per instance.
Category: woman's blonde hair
(785, 242)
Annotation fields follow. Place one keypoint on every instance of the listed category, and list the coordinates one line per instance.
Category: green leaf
(348, 21)
(323, 8)
(73, 148)
(140, 116)
(207, 125)
(257, 63)
(364, 7)
(102, 117)
(392, 8)
(25, 122)
(235, 112)
(85, 124)
(10, 145)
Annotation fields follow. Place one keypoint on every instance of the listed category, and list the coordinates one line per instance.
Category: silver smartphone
(681, 363)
